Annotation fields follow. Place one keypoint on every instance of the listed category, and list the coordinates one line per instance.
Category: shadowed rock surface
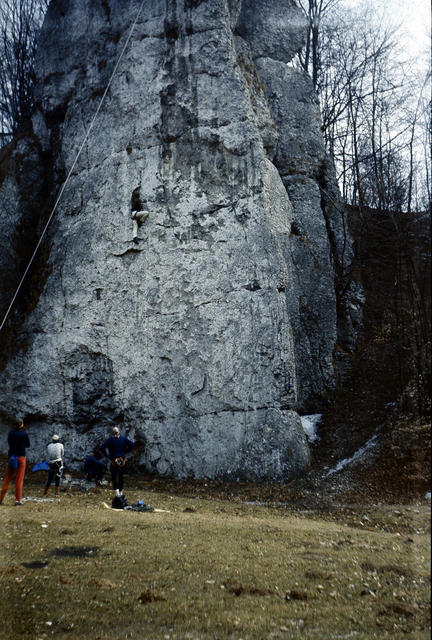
(187, 287)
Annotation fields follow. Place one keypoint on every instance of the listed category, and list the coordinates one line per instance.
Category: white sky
(414, 17)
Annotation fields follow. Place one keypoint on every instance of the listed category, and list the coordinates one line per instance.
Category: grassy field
(211, 568)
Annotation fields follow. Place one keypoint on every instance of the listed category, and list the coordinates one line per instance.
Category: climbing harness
(72, 167)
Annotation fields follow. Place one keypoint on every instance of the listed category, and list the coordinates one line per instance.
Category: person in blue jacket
(94, 467)
(116, 447)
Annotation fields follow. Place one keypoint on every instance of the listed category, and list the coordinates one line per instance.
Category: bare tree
(315, 11)
(372, 106)
(377, 127)
(20, 22)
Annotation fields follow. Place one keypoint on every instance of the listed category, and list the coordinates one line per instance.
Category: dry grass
(210, 569)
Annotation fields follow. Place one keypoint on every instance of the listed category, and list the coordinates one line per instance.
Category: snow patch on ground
(357, 455)
(310, 425)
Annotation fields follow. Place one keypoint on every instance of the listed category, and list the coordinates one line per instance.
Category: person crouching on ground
(55, 457)
(116, 447)
(94, 468)
(18, 441)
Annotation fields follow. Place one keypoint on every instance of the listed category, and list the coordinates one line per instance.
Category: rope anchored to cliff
(50, 217)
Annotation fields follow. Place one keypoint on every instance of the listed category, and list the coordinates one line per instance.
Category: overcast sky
(414, 16)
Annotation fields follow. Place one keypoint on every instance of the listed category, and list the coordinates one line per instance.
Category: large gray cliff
(187, 288)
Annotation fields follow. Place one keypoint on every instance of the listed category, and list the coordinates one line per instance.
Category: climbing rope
(73, 166)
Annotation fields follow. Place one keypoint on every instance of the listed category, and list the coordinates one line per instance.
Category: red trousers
(19, 479)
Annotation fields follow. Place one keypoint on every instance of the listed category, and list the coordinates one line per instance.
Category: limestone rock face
(186, 289)
(302, 164)
(274, 28)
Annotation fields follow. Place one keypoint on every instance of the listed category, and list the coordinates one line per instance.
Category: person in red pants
(18, 441)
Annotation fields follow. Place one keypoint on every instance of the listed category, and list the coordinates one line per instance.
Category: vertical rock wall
(187, 283)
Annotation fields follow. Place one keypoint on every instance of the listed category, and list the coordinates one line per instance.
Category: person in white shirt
(55, 457)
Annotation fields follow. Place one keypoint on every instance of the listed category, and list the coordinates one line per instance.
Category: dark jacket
(18, 441)
(93, 465)
(117, 447)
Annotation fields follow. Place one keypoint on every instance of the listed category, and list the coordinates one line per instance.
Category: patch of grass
(207, 569)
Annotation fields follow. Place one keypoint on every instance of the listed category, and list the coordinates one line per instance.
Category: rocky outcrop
(186, 289)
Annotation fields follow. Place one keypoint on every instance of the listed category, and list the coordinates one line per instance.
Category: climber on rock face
(138, 218)
(116, 447)
(138, 215)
